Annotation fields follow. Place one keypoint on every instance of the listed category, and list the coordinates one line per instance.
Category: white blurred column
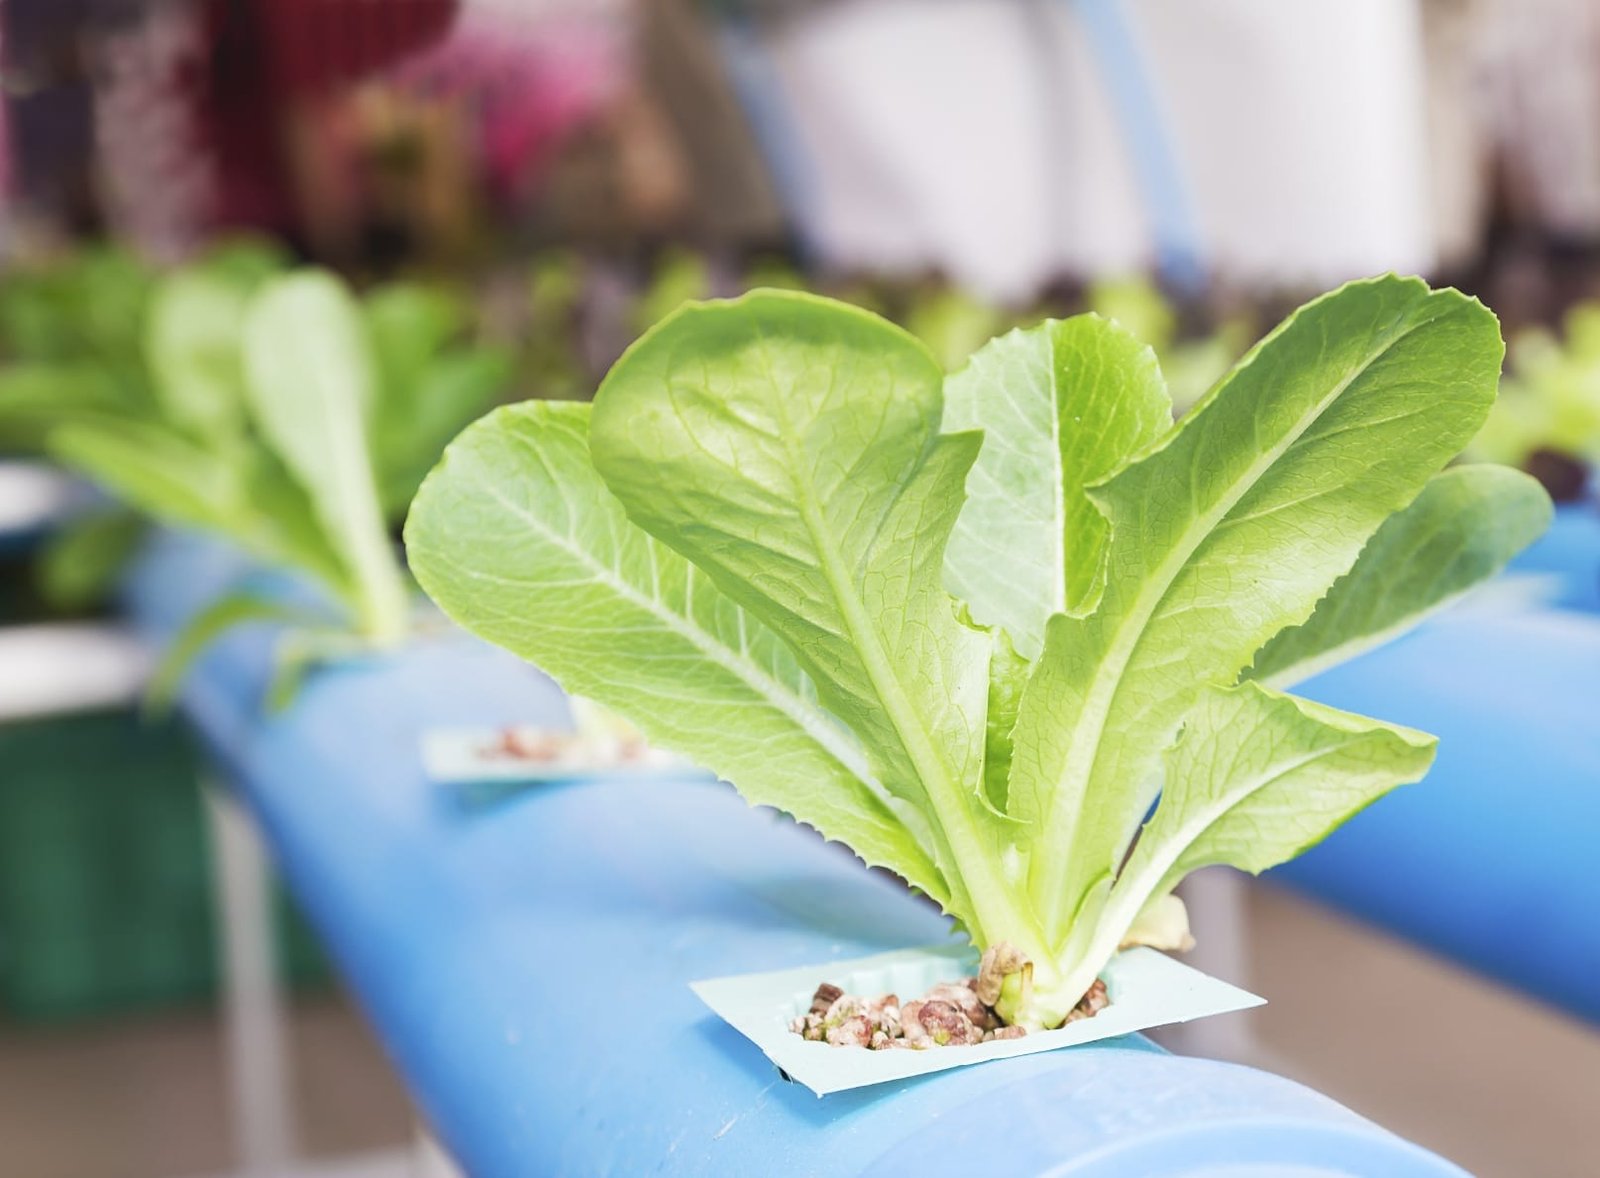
(924, 130)
(255, 1020)
(1301, 130)
(1003, 142)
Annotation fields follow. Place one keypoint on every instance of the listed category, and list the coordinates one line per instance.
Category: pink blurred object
(531, 81)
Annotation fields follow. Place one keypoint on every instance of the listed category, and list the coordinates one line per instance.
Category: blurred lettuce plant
(1189, 365)
(550, 362)
(1550, 398)
(952, 324)
(73, 348)
(680, 276)
(282, 413)
(70, 333)
(432, 376)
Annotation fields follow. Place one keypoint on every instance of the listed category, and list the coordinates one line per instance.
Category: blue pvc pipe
(1570, 552)
(1491, 860)
(527, 966)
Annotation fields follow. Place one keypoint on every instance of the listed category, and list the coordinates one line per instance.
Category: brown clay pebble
(855, 1031)
(827, 994)
(951, 1014)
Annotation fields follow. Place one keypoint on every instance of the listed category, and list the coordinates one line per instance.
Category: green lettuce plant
(1551, 397)
(1011, 634)
(952, 323)
(233, 395)
(431, 377)
(550, 362)
(70, 330)
(72, 338)
(264, 436)
(73, 333)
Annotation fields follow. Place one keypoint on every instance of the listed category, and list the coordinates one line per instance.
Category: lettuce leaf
(1256, 778)
(193, 347)
(276, 409)
(790, 448)
(1231, 530)
(1465, 526)
(517, 513)
(310, 388)
(1062, 405)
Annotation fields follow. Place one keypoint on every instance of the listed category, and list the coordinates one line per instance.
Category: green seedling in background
(1190, 365)
(79, 563)
(267, 399)
(73, 336)
(69, 317)
(73, 339)
(679, 276)
(1550, 400)
(951, 323)
(432, 379)
(550, 363)
(286, 416)
(976, 627)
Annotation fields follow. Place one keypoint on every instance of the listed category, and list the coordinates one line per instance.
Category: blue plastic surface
(527, 965)
(1494, 858)
(1570, 550)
